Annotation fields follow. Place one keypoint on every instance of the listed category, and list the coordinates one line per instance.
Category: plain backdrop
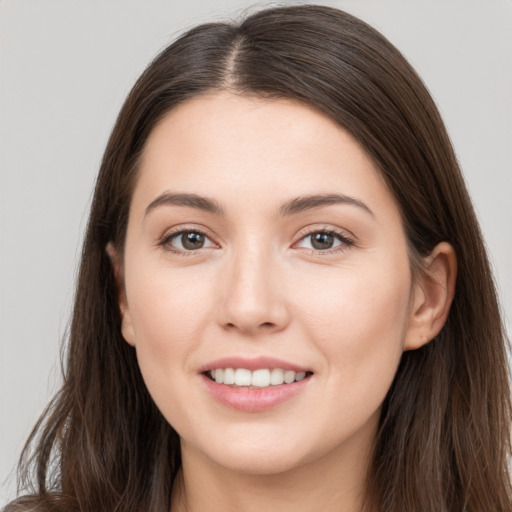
(65, 69)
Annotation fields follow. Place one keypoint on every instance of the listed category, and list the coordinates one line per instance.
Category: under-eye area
(261, 378)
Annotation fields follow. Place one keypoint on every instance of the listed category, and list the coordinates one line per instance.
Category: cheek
(358, 327)
(169, 312)
(346, 301)
(358, 319)
(167, 306)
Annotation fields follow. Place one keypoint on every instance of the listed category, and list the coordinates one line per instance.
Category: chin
(258, 463)
(263, 455)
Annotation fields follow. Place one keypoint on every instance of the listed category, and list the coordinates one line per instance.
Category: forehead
(233, 147)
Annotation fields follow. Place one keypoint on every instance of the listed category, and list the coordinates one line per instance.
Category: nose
(253, 298)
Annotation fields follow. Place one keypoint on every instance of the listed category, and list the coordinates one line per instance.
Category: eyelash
(342, 237)
(169, 237)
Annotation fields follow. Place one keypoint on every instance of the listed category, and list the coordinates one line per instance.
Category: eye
(187, 241)
(323, 240)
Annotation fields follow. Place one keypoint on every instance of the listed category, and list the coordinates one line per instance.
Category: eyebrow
(296, 205)
(304, 203)
(189, 200)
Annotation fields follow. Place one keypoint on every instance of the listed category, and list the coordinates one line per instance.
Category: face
(267, 287)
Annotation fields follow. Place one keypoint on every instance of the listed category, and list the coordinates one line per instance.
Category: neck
(326, 485)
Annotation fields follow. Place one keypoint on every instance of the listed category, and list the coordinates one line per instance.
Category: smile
(260, 378)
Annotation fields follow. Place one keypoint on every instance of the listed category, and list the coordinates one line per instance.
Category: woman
(284, 300)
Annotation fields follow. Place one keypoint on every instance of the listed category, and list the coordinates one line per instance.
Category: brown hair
(443, 443)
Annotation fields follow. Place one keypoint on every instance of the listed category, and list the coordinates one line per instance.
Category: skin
(259, 287)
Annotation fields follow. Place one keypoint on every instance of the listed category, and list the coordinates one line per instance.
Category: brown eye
(188, 241)
(192, 240)
(322, 241)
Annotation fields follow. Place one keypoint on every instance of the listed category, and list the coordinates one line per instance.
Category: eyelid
(165, 239)
(346, 238)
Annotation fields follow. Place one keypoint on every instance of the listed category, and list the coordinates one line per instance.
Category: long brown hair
(443, 443)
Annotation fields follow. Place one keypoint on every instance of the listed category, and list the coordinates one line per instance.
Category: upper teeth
(258, 378)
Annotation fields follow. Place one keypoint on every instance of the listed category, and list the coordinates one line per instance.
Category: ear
(127, 330)
(433, 293)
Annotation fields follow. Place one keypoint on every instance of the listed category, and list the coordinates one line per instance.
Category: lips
(255, 384)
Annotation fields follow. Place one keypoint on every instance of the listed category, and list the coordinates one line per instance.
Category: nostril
(265, 325)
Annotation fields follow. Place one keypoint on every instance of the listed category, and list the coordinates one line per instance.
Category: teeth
(242, 377)
(229, 376)
(277, 377)
(289, 376)
(261, 378)
(219, 375)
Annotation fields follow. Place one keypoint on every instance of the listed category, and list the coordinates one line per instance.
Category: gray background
(65, 69)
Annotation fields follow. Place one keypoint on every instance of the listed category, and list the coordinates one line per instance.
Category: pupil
(322, 240)
(192, 240)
